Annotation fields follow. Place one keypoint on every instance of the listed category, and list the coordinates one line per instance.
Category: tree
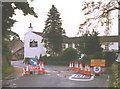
(13, 35)
(70, 54)
(52, 33)
(7, 22)
(89, 44)
(99, 13)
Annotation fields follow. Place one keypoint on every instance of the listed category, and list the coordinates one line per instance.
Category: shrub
(98, 55)
(110, 58)
(87, 59)
(55, 60)
(70, 54)
(27, 60)
(43, 58)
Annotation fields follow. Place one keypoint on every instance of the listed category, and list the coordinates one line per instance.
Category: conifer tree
(52, 33)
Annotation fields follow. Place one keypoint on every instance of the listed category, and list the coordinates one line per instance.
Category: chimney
(64, 33)
(30, 28)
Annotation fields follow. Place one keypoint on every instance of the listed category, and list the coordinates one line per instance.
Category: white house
(108, 43)
(32, 44)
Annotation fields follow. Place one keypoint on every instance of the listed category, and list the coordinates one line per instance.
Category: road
(55, 76)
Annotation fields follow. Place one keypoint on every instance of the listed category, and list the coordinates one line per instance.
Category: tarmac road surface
(55, 76)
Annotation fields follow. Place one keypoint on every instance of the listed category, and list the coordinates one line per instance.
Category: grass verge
(8, 71)
(115, 75)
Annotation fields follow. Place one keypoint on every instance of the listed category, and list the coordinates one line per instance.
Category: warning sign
(34, 67)
(97, 69)
(97, 62)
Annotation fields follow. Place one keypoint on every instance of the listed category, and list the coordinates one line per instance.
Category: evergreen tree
(52, 33)
(90, 44)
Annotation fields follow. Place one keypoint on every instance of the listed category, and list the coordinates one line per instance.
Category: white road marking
(81, 76)
(71, 78)
(108, 78)
(76, 76)
(58, 74)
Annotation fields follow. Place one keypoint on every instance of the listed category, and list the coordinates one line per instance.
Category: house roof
(16, 45)
(101, 38)
(38, 33)
(67, 39)
(109, 38)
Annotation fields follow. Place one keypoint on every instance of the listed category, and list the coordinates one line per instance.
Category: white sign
(97, 69)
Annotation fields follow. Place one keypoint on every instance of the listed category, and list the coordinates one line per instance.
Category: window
(106, 47)
(69, 45)
(63, 46)
(33, 43)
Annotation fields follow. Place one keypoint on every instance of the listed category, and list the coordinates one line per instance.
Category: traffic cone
(70, 65)
(42, 66)
(27, 71)
(86, 69)
(88, 73)
(77, 69)
(40, 72)
(81, 68)
(40, 63)
(74, 66)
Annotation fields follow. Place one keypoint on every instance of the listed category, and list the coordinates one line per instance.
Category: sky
(70, 12)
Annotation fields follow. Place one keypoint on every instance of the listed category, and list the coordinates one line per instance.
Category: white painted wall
(66, 45)
(112, 46)
(73, 45)
(33, 51)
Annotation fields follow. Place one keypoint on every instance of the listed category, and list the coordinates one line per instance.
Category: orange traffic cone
(86, 69)
(27, 71)
(81, 68)
(42, 66)
(40, 72)
(75, 66)
(77, 69)
(40, 63)
(88, 73)
(70, 66)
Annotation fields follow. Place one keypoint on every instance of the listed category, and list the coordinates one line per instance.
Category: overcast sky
(70, 12)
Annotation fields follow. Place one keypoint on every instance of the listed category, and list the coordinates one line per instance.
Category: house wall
(33, 51)
(111, 46)
(19, 55)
